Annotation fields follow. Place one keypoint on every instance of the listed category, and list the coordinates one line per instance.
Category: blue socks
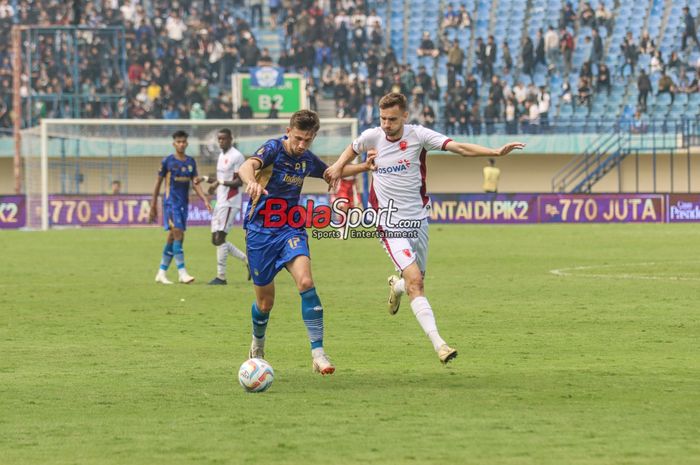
(167, 256)
(179, 254)
(260, 320)
(312, 314)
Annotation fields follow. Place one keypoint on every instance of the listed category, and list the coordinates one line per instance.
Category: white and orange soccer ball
(256, 375)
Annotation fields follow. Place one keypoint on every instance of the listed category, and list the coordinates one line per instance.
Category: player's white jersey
(401, 168)
(229, 163)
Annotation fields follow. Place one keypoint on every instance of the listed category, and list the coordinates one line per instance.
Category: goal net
(76, 157)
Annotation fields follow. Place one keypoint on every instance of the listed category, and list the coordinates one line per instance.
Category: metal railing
(626, 137)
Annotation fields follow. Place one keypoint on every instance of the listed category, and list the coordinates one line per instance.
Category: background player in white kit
(228, 203)
(400, 177)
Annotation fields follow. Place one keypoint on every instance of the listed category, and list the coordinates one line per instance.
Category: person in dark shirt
(603, 80)
(245, 111)
(490, 116)
(274, 177)
(644, 87)
(689, 31)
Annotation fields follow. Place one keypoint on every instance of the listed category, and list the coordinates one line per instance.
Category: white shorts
(222, 218)
(405, 250)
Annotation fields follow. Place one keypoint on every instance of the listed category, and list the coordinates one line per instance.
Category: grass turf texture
(99, 365)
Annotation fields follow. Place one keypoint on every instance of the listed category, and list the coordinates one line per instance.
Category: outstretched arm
(214, 183)
(335, 171)
(356, 168)
(474, 150)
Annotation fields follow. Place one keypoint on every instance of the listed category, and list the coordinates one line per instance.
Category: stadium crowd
(180, 55)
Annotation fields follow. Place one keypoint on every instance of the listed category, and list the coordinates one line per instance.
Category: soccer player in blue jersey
(177, 170)
(275, 175)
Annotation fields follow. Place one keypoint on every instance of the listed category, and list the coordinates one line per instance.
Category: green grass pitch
(599, 364)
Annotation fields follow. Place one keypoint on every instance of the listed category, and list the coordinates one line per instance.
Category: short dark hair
(180, 134)
(393, 99)
(305, 120)
(226, 131)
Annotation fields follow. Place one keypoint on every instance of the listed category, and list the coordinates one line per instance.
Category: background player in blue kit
(281, 165)
(177, 170)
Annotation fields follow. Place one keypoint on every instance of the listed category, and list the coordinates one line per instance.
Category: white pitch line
(571, 272)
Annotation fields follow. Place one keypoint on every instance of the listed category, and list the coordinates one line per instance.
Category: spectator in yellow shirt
(491, 176)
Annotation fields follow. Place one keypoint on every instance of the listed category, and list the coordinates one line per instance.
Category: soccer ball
(256, 375)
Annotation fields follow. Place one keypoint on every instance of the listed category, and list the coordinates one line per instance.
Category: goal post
(78, 157)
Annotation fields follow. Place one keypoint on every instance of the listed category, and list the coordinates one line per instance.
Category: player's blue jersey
(177, 174)
(282, 175)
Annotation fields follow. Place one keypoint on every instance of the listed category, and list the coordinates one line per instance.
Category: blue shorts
(269, 253)
(174, 217)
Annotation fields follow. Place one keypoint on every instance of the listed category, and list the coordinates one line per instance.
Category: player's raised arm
(474, 150)
(153, 213)
(247, 175)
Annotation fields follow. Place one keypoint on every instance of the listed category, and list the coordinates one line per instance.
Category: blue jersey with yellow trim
(177, 174)
(282, 175)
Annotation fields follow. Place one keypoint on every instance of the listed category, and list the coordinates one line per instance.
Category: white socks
(235, 252)
(400, 286)
(317, 352)
(222, 253)
(424, 314)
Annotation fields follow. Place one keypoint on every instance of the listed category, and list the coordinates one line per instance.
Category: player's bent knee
(265, 305)
(218, 238)
(305, 283)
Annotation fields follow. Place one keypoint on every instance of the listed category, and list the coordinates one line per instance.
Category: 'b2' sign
(12, 212)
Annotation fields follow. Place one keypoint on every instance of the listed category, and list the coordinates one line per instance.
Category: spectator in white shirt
(128, 11)
(175, 26)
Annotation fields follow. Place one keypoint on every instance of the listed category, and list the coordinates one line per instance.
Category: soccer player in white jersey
(228, 203)
(401, 151)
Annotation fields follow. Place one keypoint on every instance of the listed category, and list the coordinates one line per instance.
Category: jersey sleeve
(267, 152)
(194, 173)
(318, 168)
(238, 162)
(163, 167)
(364, 142)
(430, 139)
